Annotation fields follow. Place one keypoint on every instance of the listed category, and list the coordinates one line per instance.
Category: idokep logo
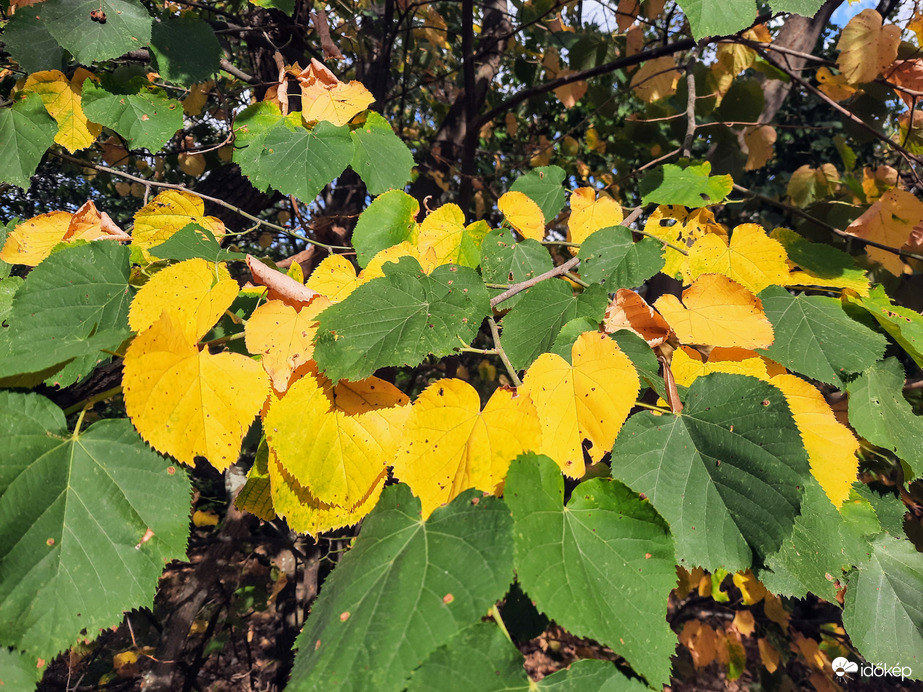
(842, 667)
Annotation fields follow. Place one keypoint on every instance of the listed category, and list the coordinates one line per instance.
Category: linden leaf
(752, 259)
(889, 221)
(452, 445)
(656, 79)
(187, 403)
(834, 85)
(32, 241)
(444, 232)
(324, 97)
(866, 47)
(631, 312)
(350, 443)
(760, 141)
(393, 254)
(588, 398)
(195, 293)
(281, 286)
(283, 336)
(588, 214)
(167, 213)
(719, 312)
(688, 364)
(819, 264)
(523, 214)
(62, 101)
(335, 277)
(681, 226)
(88, 223)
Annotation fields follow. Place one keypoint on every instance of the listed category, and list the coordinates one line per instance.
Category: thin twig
(529, 283)
(495, 333)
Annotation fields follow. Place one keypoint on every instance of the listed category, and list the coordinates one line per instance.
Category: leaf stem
(658, 409)
(576, 279)
(494, 612)
(495, 333)
(90, 401)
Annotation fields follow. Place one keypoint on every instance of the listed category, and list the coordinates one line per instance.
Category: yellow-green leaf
(61, 97)
(167, 213)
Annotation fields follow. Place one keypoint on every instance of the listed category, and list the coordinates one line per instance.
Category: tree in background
(648, 271)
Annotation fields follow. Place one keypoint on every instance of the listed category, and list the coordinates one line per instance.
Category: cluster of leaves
(631, 444)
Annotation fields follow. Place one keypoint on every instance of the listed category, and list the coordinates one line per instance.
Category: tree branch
(529, 283)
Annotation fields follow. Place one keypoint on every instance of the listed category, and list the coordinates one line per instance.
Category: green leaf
(26, 132)
(251, 126)
(743, 102)
(301, 162)
(403, 589)
(504, 261)
(599, 566)
(883, 613)
(564, 341)
(879, 412)
(380, 157)
(889, 509)
(286, 6)
(822, 546)
(530, 328)
(79, 295)
(718, 17)
(612, 258)
(193, 241)
(400, 319)
(480, 658)
(692, 187)
(727, 473)
(127, 27)
(806, 8)
(140, 112)
(30, 43)
(75, 515)
(185, 49)
(903, 325)
(543, 186)
(8, 288)
(6, 268)
(389, 220)
(823, 261)
(644, 360)
(815, 337)
(18, 672)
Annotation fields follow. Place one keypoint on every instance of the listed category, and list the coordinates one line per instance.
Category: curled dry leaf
(322, 26)
(630, 311)
(280, 286)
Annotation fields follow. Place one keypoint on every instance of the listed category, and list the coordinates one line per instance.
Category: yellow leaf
(687, 581)
(744, 622)
(284, 337)
(512, 125)
(834, 85)
(866, 47)
(830, 445)
(197, 98)
(201, 518)
(630, 311)
(522, 214)
(305, 513)
(167, 213)
(681, 226)
(701, 640)
(688, 365)
(192, 164)
(256, 495)
(335, 277)
(889, 221)
(759, 141)
(195, 292)
(589, 399)
(569, 94)
(775, 611)
(769, 655)
(752, 259)
(877, 182)
(33, 240)
(324, 97)
(444, 234)
(62, 101)
(187, 403)
(88, 223)
(588, 214)
(656, 79)
(718, 312)
(452, 445)
(751, 588)
(374, 269)
(347, 449)
(807, 184)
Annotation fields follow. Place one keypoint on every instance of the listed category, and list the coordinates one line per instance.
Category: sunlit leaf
(444, 232)
(169, 212)
(752, 259)
(522, 214)
(589, 214)
(61, 97)
(866, 47)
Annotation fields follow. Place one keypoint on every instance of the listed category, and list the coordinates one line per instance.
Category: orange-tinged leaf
(687, 581)
(830, 445)
(187, 403)
(718, 312)
(284, 336)
(775, 610)
(281, 286)
(630, 311)
(769, 655)
(889, 221)
(588, 214)
(324, 97)
(167, 213)
(335, 278)
(701, 640)
(195, 292)
(834, 85)
(866, 47)
(587, 399)
(681, 226)
(522, 214)
(760, 141)
(33, 240)
(451, 445)
(656, 79)
(688, 364)
(345, 452)
(443, 233)
(752, 259)
(744, 622)
(202, 518)
(88, 223)
(751, 588)
(61, 97)
(305, 513)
